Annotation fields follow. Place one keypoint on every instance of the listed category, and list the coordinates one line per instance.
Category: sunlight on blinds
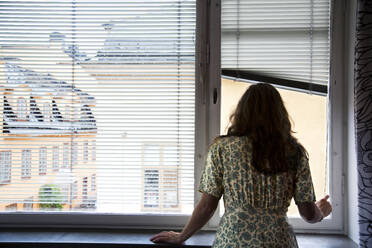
(97, 106)
(286, 39)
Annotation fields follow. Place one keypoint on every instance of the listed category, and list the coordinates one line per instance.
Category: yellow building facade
(47, 136)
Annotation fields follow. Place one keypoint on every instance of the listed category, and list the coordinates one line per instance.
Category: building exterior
(47, 134)
(126, 63)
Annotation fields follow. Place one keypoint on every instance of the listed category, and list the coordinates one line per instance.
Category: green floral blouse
(255, 204)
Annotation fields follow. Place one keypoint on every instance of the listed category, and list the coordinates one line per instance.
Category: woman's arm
(314, 212)
(202, 213)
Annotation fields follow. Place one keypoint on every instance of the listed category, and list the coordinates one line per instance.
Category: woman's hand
(168, 237)
(324, 206)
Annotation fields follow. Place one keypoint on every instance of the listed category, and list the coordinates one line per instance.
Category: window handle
(215, 96)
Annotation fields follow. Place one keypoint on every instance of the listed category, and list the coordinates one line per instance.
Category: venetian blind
(282, 39)
(97, 105)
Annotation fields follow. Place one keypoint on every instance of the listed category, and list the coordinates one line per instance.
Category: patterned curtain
(363, 118)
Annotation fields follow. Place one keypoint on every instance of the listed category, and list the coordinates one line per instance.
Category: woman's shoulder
(225, 141)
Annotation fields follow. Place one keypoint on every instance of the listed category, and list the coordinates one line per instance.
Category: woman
(258, 167)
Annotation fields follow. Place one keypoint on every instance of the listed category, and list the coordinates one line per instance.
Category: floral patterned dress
(255, 204)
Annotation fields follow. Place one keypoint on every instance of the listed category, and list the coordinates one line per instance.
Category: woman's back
(257, 176)
(255, 203)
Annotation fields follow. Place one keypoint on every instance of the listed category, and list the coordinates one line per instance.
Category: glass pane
(309, 122)
(97, 106)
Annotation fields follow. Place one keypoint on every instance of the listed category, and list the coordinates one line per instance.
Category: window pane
(100, 98)
(309, 118)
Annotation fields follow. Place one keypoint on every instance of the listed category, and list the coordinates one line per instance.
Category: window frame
(207, 123)
(334, 125)
(102, 220)
(335, 146)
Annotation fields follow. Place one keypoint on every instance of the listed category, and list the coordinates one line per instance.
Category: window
(286, 44)
(140, 99)
(93, 183)
(28, 204)
(74, 190)
(55, 158)
(74, 153)
(151, 189)
(85, 151)
(170, 193)
(42, 161)
(160, 177)
(66, 155)
(93, 150)
(26, 164)
(5, 166)
(22, 108)
(85, 191)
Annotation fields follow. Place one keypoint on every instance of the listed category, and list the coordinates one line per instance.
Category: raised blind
(97, 106)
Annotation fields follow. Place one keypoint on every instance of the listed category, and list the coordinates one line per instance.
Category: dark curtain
(363, 118)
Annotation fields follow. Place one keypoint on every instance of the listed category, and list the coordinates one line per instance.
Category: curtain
(363, 118)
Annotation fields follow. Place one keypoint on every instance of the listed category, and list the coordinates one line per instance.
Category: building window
(28, 204)
(74, 153)
(85, 190)
(161, 183)
(85, 151)
(42, 161)
(93, 150)
(22, 108)
(5, 166)
(170, 192)
(26, 164)
(66, 155)
(151, 189)
(93, 183)
(55, 158)
(74, 190)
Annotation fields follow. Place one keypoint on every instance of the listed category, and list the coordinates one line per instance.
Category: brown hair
(262, 116)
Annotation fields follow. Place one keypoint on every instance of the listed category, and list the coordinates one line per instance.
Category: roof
(40, 83)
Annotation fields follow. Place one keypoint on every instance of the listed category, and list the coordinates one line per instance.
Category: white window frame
(207, 123)
(335, 146)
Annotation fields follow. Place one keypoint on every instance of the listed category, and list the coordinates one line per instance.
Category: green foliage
(50, 197)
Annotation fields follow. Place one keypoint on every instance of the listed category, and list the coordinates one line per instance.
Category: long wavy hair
(262, 116)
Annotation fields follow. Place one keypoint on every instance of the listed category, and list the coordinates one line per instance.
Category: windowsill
(72, 238)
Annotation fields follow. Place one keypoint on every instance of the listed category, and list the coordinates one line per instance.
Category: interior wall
(351, 177)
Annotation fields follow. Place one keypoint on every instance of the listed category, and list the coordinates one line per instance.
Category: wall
(351, 177)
